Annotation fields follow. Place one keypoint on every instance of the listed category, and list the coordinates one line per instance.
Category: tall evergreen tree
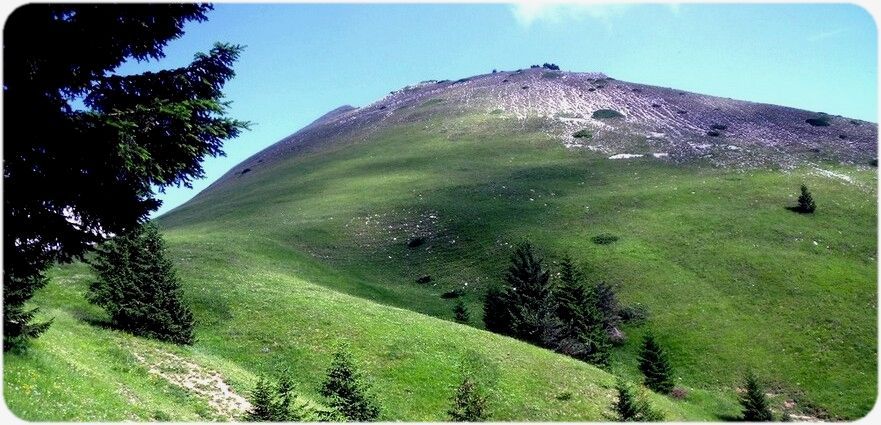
(655, 366)
(73, 175)
(581, 332)
(528, 295)
(806, 201)
(460, 313)
(631, 406)
(346, 390)
(496, 316)
(469, 405)
(138, 288)
(754, 402)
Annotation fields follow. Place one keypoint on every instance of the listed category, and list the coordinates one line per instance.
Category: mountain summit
(619, 119)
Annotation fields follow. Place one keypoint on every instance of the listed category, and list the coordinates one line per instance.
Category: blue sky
(304, 60)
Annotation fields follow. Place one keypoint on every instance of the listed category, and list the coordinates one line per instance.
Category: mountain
(366, 226)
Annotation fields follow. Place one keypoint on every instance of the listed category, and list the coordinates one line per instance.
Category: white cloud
(529, 12)
(827, 34)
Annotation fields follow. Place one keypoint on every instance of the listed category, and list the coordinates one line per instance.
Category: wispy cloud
(827, 34)
(528, 13)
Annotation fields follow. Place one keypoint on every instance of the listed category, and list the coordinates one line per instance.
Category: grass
(313, 251)
(604, 114)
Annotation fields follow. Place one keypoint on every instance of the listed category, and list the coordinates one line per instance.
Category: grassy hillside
(285, 261)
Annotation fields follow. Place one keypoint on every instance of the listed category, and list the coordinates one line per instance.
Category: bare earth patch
(203, 383)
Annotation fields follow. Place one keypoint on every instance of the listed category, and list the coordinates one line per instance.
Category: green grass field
(287, 261)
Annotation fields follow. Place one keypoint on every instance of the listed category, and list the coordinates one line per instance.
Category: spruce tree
(262, 406)
(138, 288)
(346, 390)
(86, 148)
(460, 313)
(631, 406)
(581, 332)
(528, 295)
(806, 201)
(496, 316)
(655, 366)
(754, 402)
(469, 405)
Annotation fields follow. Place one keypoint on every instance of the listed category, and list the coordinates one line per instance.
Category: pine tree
(496, 316)
(655, 366)
(806, 201)
(138, 288)
(460, 313)
(346, 390)
(469, 405)
(528, 295)
(73, 175)
(630, 406)
(581, 332)
(262, 406)
(754, 402)
(284, 400)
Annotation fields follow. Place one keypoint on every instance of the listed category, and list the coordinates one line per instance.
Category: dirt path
(204, 383)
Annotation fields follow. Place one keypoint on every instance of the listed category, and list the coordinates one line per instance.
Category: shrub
(423, 279)
(679, 393)
(460, 313)
(655, 366)
(455, 293)
(818, 121)
(262, 406)
(874, 162)
(602, 114)
(604, 239)
(347, 391)
(582, 134)
(713, 133)
(721, 127)
(753, 401)
(469, 405)
(634, 315)
(280, 404)
(138, 288)
(631, 406)
(806, 201)
(416, 242)
(551, 66)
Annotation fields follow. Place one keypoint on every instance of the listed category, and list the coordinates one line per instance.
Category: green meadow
(286, 262)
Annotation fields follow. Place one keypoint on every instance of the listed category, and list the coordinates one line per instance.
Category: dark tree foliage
(581, 331)
(460, 313)
(496, 316)
(806, 201)
(754, 402)
(655, 366)
(72, 176)
(528, 295)
(630, 406)
(551, 66)
(469, 405)
(262, 403)
(347, 392)
(138, 288)
(606, 300)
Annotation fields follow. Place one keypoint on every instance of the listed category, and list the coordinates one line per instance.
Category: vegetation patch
(820, 121)
(720, 127)
(604, 239)
(602, 114)
(416, 242)
(582, 134)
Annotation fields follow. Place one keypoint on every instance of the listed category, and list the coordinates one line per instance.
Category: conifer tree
(528, 294)
(754, 402)
(655, 366)
(806, 201)
(346, 390)
(582, 332)
(469, 405)
(138, 288)
(630, 406)
(496, 316)
(460, 313)
(262, 406)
